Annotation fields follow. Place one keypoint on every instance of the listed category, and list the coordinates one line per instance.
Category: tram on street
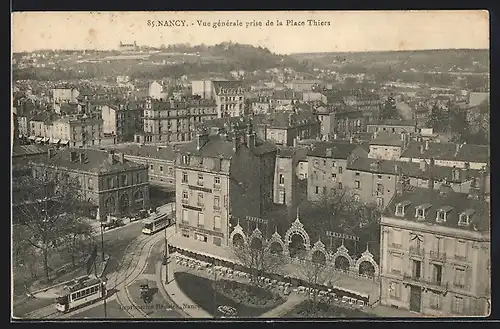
(156, 224)
(81, 291)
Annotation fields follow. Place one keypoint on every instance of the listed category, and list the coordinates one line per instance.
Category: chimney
(50, 153)
(328, 152)
(427, 145)
(474, 190)
(422, 148)
(423, 165)
(81, 156)
(374, 166)
(121, 157)
(400, 184)
(445, 188)
(375, 135)
(251, 140)
(455, 174)
(351, 139)
(111, 159)
(201, 139)
(72, 156)
(235, 143)
(295, 142)
(430, 168)
(334, 136)
(457, 148)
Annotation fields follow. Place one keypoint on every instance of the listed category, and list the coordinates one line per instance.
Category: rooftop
(448, 151)
(334, 150)
(227, 84)
(92, 160)
(25, 150)
(149, 151)
(285, 119)
(385, 138)
(456, 203)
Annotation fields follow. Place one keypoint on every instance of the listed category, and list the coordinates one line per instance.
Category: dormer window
(402, 207)
(421, 211)
(442, 213)
(465, 217)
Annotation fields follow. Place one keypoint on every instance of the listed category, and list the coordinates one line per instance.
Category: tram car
(81, 291)
(156, 224)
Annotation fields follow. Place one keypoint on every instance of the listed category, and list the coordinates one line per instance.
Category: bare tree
(77, 236)
(45, 206)
(258, 258)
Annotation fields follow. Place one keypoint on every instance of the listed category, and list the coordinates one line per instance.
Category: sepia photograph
(259, 165)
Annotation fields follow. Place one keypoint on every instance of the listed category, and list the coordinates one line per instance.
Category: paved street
(113, 309)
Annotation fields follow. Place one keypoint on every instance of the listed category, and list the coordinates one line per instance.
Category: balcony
(412, 278)
(416, 251)
(461, 258)
(439, 256)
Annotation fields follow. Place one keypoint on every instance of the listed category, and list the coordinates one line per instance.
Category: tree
(438, 119)
(77, 236)
(259, 258)
(389, 110)
(339, 210)
(46, 210)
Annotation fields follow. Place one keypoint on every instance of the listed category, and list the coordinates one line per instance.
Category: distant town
(302, 185)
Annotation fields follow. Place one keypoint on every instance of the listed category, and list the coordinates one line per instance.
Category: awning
(64, 142)
(54, 141)
(38, 139)
(32, 138)
(45, 139)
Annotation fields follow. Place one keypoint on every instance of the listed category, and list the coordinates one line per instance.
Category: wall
(385, 152)
(321, 175)
(108, 115)
(368, 190)
(447, 163)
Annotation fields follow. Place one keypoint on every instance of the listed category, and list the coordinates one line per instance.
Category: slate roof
(447, 151)
(457, 203)
(96, 161)
(226, 84)
(339, 150)
(26, 150)
(281, 119)
(384, 138)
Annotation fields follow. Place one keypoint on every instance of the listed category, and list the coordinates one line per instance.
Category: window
(458, 305)
(217, 241)
(340, 185)
(416, 269)
(396, 238)
(464, 219)
(200, 237)
(281, 197)
(111, 182)
(138, 179)
(380, 188)
(437, 273)
(356, 174)
(90, 184)
(171, 171)
(439, 245)
(380, 202)
(357, 184)
(340, 170)
(334, 177)
(282, 179)
(333, 164)
(123, 180)
(201, 219)
(316, 189)
(216, 202)
(200, 199)
(459, 280)
(185, 159)
(161, 169)
(217, 223)
(379, 176)
(185, 196)
(461, 249)
(184, 177)
(324, 162)
(200, 179)
(395, 290)
(396, 261)
(216, 181)
(185, 215)
(185, 233)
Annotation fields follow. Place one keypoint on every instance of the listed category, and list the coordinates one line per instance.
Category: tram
(156, 224)
(81, 291)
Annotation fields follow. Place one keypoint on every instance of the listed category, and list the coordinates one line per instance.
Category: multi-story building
(283, 128)
(286, 177)
(105, 179)
(350, 121)
(218, 176)
(448, 154)
(326, 117)
(174, 120)
(388, 146)
(122, 120)
(435, 251)
(64, 95)
(303, 85)
(160, 162)
(202, 88)
(327, 165)
(393, 126)
(282, 98)
(229, 97)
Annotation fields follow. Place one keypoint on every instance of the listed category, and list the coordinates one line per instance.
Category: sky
(342, 31)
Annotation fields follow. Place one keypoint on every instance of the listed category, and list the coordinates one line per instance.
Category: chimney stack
(50, 153)
(328, 152)
(423, 165)
(295, 142)
(251, 140)
(427, 145)
(121, 157)
(81, 157)
(351, 139)
(457, 149)
(421, 147)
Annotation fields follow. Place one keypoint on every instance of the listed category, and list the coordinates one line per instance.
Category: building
(388, 146)
(326, 117)
(218, 176)
(283, 128)
(303, 85)
(368, 103)
(260, 105)
(286, 176)
(476, 98)
(128, 47)
(282, 98)
(160, 162)
(397, 127)
(64, 95)
(327, 165)
(448, 154)
(229, 98)
(314, 97)
(122, 120)
(174, 120)
(155, 91)
(202, 88)
(106, 180)
(435, 252)
(23, 154)
(350, 121)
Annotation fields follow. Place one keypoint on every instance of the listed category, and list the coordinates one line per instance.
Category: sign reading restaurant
(231, 91)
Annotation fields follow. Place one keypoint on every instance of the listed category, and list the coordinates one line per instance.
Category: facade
(327, 120)
(350, 121)
(229, 98)
(314, 97)
(64, 95)
(448, 154)
(106, 180)
(202, 88)
(286, 177)
(155, 91)
(160, 162)
(216, 179)
(122, 121)
(174, 120)
(397, 127)
(435, 252)
(388, 146)
(327, 165)
(128, 47)
(284, 128)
